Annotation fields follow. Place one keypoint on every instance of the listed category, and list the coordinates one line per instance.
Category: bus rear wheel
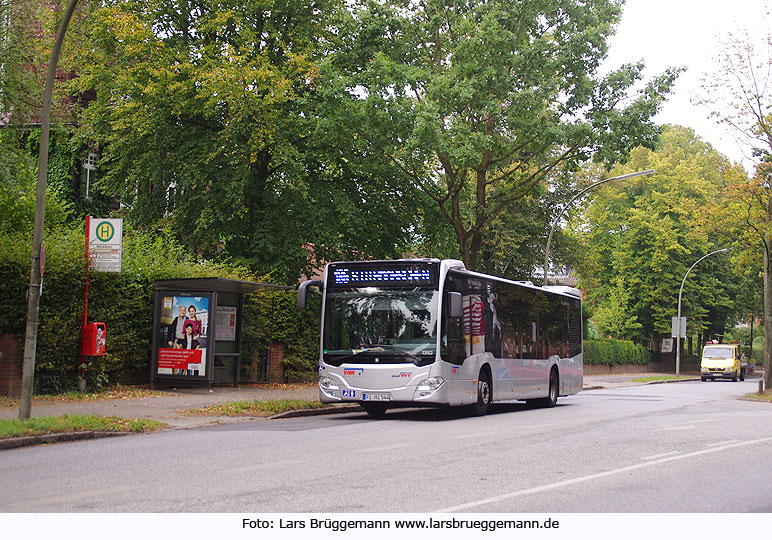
(552, 396)
(374, 409)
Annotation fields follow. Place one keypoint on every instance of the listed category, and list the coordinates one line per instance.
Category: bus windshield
(388, 323)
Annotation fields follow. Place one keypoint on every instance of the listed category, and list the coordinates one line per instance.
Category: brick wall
(275, 372)
(653, 367)
(11, 358)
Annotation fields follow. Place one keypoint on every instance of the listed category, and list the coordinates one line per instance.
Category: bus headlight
(327, 384)
(430, 385)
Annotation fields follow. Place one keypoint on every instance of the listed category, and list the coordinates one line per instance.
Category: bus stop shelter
(197, 324)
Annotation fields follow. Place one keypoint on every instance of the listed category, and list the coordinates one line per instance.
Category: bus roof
(555, 289)
(458, 266)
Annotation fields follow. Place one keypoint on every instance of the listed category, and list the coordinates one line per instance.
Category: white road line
(722, 443)
(686, 425)
(473, 435)
(71, 497)
(263, 466)
(703, 421)
(539, 489)
(383, 448)
(659, 456)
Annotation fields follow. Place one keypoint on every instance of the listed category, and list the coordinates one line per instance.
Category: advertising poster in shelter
(183, 340)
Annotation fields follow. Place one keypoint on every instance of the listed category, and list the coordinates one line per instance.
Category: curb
(663, 381)
(50, 438)
(336, 409)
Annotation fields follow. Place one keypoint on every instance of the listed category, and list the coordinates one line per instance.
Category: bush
(758, 353)
(273, 316)
(612, 352)
(124, 302)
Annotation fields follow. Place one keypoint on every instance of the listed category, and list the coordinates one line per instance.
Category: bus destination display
(374, 276)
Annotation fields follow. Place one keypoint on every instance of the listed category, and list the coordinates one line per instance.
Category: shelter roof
(216, 284)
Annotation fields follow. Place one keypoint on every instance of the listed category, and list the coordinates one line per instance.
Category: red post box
(94, 337)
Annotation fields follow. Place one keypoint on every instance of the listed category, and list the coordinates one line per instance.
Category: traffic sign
(105, 244)
(679, 327)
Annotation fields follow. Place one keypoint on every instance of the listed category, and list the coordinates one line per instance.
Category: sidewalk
(169, 407)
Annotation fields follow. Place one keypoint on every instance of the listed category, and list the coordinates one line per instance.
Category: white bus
(428, 332)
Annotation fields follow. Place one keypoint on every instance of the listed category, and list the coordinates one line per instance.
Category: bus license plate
(376, 397)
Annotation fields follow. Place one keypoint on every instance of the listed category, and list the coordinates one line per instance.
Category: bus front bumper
(428, 390)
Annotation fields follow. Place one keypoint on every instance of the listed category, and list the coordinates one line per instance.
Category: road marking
(686, 425)
(536, 426)
(721, 443)
(382, 448)
(75, 496)
(658, 456)
(262, 466)
(547, 487)
(473, 435)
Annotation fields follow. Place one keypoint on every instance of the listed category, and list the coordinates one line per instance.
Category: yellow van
(721, 361)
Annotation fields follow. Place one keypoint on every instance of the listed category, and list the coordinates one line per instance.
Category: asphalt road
(685, 447)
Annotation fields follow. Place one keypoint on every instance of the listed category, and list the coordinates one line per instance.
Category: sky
(685, 33)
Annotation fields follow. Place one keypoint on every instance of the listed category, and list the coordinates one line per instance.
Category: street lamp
(35, 282)
(582, 192)
(680, 293)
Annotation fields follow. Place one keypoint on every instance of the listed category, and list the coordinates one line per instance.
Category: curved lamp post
(582, 192)
(680, 293)
(33, 299)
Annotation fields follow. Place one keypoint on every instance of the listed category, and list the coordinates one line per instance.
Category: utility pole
(35, 283)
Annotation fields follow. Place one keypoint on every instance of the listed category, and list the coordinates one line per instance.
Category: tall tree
(643, 235)
(205, 114)
(478, 102)
(740, 94)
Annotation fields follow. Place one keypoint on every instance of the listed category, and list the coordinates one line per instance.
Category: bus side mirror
(303, 291)
(455, 305)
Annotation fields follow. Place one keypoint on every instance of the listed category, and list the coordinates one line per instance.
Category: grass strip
(68, 423)
(658, 378)
(256, 407)
(766, 396)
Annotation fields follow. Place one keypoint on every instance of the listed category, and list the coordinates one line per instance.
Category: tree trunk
(767, 318)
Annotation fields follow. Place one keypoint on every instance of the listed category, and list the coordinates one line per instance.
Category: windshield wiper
(390, 349)
(340, 359)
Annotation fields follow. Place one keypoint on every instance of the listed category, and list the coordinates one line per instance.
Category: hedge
(613, 352)
(124, 302)
(758, 353)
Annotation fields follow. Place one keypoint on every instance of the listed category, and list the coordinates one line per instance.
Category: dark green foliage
(124, 302)
(273, 316)
(18, 184)
(612, 352)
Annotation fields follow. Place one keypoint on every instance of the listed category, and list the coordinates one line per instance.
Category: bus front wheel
(480, 408)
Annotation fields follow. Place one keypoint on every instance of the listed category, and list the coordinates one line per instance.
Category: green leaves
(643, 235)
(477, 103)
